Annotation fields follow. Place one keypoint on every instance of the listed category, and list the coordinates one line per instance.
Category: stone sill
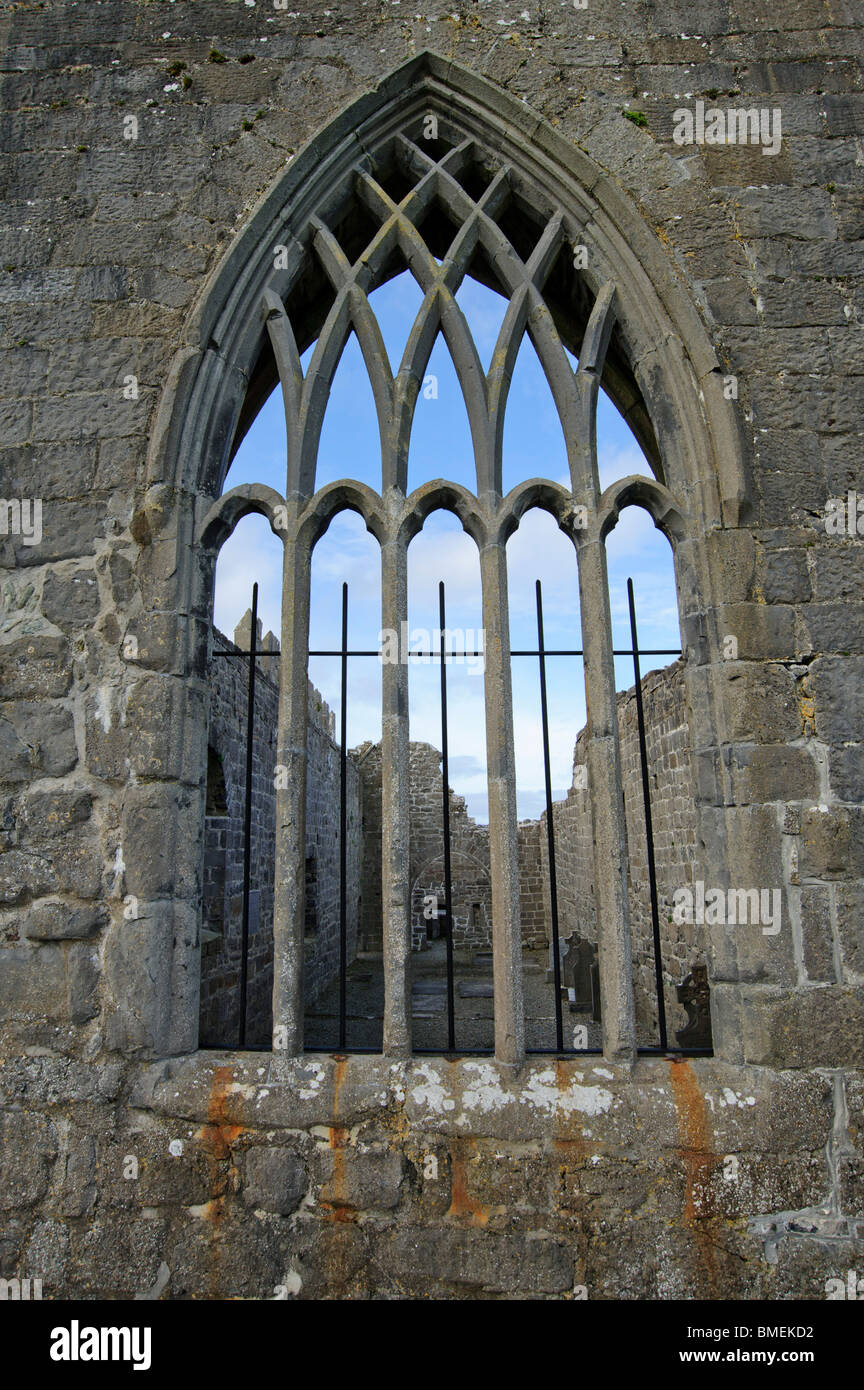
(653, 1101)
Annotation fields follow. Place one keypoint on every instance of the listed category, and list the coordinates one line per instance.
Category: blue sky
(441, 447)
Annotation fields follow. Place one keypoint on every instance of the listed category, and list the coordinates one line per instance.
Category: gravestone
(580, 974)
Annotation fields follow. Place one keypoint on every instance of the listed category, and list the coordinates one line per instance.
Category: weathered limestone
(395, 820)
(154, 258)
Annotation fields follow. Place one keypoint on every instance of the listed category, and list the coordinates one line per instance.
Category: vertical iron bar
(247, 819)
(649, 830)
(550, 831)
(343, 826)
(445, 774)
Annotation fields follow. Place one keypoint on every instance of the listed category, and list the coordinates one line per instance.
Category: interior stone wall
(223, 850)
(111, 249)
(674, 817)
(469, 847)
(321, 959)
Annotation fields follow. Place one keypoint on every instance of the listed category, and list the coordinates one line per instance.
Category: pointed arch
(500, 188)
(660, 351)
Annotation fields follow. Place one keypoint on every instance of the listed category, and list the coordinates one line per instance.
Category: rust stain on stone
(697, 1152)
(338, 1078)
(567, 1134)
(462, 1204)
(336, 1207)
(570, 1146)
(216, 1137)
(218, 1134)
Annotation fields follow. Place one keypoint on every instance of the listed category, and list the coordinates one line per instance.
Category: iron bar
(541, 653)
(646, 651)
(649, 831)
(490, 1052)
(558, 651)
(247, 819)
(445, 776)
(550, 830)
(343, 827)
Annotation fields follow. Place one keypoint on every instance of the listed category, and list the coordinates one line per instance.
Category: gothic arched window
(433, 200)
(440, 175)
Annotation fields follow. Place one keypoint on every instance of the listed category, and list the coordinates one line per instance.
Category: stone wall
(673, 818)
(125, 355)
(534, 918)
(570, 1180)
(367, 760)
(321, 960)
(674, 821)
(469, 846)
(223, 847)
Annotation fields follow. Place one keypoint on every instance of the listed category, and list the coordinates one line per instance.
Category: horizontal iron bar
(258, 652)
(434, 656)
(643, 651)
(480, 1052)
(564, 1052)
(427, 656)
(675, 1052)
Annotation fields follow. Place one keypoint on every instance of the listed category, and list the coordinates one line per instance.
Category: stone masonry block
(275, 1180)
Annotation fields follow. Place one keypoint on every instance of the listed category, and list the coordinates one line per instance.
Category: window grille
(443, 208)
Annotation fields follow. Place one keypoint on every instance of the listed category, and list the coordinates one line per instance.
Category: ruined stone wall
(674, 822)
(367, 760)
(534, 917)
(471, 904)
(109, 245)
(321, 959)
(469, 843)
(224, 848)
(574, 857)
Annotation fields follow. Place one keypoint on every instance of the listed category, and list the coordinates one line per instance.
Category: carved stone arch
(628, 315)
(317, 516)
(653, 498)
(536, 493)
(247, 500)
(438, 495)
(224, 369)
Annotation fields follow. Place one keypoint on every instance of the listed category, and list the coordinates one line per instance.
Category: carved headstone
(580, 975)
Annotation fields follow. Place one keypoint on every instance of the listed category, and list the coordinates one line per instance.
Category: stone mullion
(607, 805)
(395, 805)
(503, 835)
(611, 902)
(290, 859)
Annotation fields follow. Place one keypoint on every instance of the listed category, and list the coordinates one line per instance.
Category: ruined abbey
(618, 1054)
(673, 824)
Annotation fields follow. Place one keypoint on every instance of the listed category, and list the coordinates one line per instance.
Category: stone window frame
(394, 517)
(218, 384)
